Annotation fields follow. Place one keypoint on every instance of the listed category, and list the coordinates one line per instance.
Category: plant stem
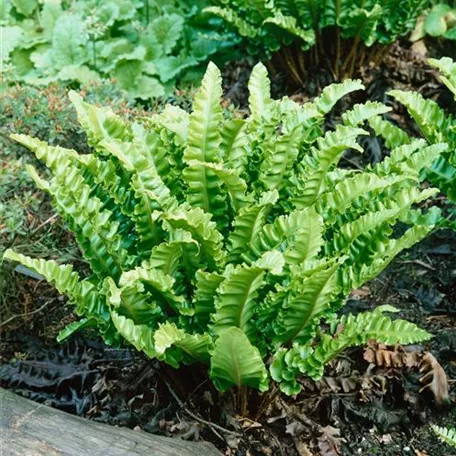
(338, 42)
(94, 54)
(243, 395)
(147, 12)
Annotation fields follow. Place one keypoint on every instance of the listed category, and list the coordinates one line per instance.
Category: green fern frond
(446, 435)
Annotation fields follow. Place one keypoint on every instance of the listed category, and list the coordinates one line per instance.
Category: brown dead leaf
(337, 384)
(247, 423)
(382, 356)
(295, 428)
(329, 442)
(360, 293)
(303, 449)
(421, 453)
(419, 47)
(434, 378)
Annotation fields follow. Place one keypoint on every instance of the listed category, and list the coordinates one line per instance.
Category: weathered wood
(31, 429)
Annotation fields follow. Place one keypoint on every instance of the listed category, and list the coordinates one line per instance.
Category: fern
(300, 34)
(446, 435)
(233, 242)
(436, 126)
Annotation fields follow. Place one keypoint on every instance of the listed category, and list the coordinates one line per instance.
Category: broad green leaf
(68, 42)
(235, 362)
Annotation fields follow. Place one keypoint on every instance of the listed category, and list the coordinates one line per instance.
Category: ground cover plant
(27, 220)
(144, 45)
(302, 35)
(231, 241)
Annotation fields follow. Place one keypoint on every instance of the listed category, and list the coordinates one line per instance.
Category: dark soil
(359, 407)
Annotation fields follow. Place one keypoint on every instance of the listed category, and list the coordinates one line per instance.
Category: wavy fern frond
(307, 299)
(140, 336)
(132, 300)
(448, 67)
(54, 157)
(249, 221)
(362, 112)
(387, 213)
(362, 23)
(235, 186)
(393, 136)
(353, 277)
(290, 25)
(326, 155)
(173, 345)
(447, 435)
(83, 294)
(245, 28)
(202, 229)
(352, 189)
(298, 234)
(166, 256)
(204, 139)
(99, 123)
(236, 295)
(63, 277)
(234, 142)
(331, 94)
(95, 231)
(431, 119)
(159, 285)
(437, 127)
(149, 189)
(349, 331)
(260, 92)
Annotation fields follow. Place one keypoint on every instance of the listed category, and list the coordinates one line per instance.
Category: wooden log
(31, 429)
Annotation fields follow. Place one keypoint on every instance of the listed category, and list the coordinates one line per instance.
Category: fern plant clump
(233, 242)
(435, 124)
(303, 34)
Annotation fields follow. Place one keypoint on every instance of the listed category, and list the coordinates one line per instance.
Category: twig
(419, 263)
(353, 163)
(3, 323)
(213, 426)
(49, 220)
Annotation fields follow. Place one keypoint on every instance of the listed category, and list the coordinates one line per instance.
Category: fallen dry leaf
(434, 378)
(382, 356)
(302, 449)
(421, 453)
(329, 442)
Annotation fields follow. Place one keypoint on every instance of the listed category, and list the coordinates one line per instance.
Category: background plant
(435, 125)
(302, 34)
(438, 22)
(231, 241)
(145, 45)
